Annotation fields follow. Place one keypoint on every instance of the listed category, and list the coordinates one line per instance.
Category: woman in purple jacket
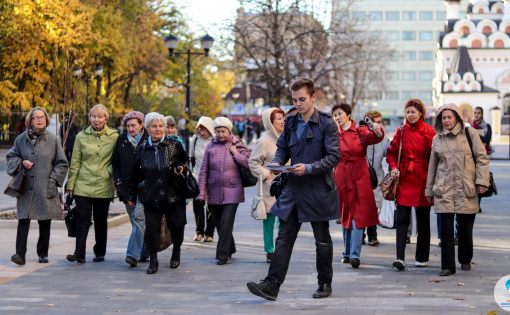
(220, 183)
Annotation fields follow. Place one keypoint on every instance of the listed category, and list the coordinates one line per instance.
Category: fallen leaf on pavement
(436, 280)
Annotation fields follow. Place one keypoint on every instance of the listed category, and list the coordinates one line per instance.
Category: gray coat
(40, 198)
(314, 195)
(375, 155)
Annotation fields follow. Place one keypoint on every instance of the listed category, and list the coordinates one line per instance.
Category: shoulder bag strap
(400, 145)
(261, 189)
(468, 136)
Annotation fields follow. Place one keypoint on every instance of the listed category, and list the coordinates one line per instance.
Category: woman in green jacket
(90, 182)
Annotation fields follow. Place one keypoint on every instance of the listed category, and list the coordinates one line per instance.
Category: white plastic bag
(387, 214)
(258, 207)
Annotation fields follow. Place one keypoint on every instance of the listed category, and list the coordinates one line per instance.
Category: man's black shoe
(265, 289)
(323, 291)
(76, 258)
(131, 261)
(355, 262)
(346, 260)
(98, 259)
(43, 259)
(18, 260)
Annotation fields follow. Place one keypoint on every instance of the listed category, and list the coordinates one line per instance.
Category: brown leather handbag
(15, 186)
(389, 184)
(165, 236)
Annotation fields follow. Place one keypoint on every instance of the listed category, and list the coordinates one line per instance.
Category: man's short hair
(373, 114)
(303, 83)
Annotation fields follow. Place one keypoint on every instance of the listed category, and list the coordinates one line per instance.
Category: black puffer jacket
(154, 181)
(122, 163)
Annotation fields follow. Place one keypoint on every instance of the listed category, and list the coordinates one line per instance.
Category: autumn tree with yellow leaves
(43, 42)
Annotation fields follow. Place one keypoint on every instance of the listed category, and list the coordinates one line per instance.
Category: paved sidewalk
(199, 286)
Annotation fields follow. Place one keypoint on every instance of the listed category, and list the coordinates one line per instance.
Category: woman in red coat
(357, 202)
(416, 138)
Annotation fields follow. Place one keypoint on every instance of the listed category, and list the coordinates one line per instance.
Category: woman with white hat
(220, 183)
(203, 136)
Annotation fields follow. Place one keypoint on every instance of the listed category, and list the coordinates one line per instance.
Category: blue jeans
(135, 247)
(352, 241)
(440, 230)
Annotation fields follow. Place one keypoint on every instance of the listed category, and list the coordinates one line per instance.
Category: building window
(358, 15)
(394, 56)
(409, 15)
(375, 34)
(408, 35)
(426, 56)
(408, 76)
(392, 16)
(376, 15)
(393, 36)
(426, 36)
(425, 96)
(425, 75)
(407, 95)
(393, 75)
(391, 95)
(426, 15)
(440, 15)
(408, 55)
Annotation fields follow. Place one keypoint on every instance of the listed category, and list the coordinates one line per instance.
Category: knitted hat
(207, 123)
(223, 122)
(133, 115)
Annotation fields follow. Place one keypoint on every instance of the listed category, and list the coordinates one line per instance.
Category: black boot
(323, 291)
(153, 264)
(175, 261)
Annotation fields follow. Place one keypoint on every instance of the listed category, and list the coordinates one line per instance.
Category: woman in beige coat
(262, 154)
(456, 175)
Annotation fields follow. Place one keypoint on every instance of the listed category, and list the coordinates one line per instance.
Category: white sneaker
(421, 264)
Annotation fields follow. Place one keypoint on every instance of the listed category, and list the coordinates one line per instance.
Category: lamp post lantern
(206, 43)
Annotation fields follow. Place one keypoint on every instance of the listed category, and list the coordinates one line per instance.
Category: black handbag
(278, 184)
(247, 178)
(373, 175)
(70, 220)
(191, 189)
(492, 189)
(15, 186)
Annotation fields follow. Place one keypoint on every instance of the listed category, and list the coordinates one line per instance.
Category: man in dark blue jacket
(310, 141)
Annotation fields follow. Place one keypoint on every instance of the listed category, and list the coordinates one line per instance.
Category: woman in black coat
(122, 163)
(157, 181)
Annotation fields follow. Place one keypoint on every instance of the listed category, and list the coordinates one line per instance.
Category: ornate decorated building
(473, 62)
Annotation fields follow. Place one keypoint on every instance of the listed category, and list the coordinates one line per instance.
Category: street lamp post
(81, 74)
(98, 71)
(171, 42)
